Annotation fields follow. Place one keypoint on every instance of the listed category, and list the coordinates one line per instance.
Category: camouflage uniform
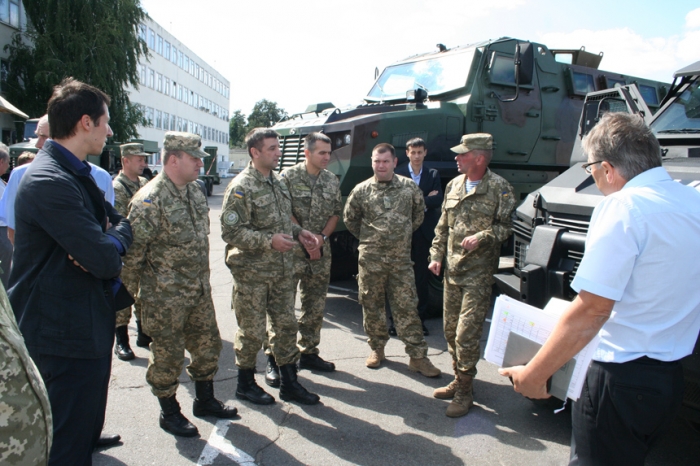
(383, 216)
(171, 254)
(255, 208)
(485, 212)
(124, 190)
(312, 206)
(26, 424)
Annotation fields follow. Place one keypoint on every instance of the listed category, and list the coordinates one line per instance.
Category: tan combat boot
(448, 392)
(463, 399)
(423, 366)
(375, 358)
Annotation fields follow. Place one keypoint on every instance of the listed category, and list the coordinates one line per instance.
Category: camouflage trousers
(253, 302)
(465, 308)
(175, 329)
(378, 279)
(132, 284)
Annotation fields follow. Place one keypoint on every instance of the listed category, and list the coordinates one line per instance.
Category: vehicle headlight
(347, 139)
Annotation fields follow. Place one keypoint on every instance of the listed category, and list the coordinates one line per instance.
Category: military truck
(523, 93)
(550, 226)
(27, 142)
(210, 177)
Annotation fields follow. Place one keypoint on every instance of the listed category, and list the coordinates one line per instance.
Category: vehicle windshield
(683, 116)
(30, 129)
(435, 75)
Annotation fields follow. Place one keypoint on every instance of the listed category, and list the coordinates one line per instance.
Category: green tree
(237, 129)
(95, 42)
(265, 114)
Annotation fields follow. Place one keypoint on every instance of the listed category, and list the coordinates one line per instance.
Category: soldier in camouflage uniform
(256, 224)
(170, 253)
(316, 206)
(26, 427)
(383, 212)
(475, 221)
(126, 184)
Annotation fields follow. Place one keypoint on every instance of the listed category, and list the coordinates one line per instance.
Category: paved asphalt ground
(368, 417)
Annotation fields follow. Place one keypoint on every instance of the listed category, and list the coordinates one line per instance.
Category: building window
(192, 67)
(149, 115)
(159, 82)
(173, 119)
(142, 31)
(179, 124)
(142, 75)
(166, 90)
(159, 44)
(173, 56)
(179, 93)
(174, 91)
(186, 64)
(166, 50)
(159, 119)
(151, 39)
(180, 59)
(151, 78)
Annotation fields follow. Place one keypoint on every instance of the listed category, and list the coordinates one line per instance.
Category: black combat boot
(249, 390)
(122, 348)
(142, 340)
(272, 373)
(206, 405)
(315, 362)
(291, 390)
(172, 420)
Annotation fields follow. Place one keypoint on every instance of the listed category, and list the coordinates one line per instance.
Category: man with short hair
(316, 206)
(170, 255)
(382, 213)
(637, 285)
(256, 224)
(126, 184)
(428, 180)
(5, 243)
(25, 158)
(475, 221)
(64, 284)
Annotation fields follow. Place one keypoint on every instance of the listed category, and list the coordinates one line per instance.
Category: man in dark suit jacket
(428, 180)
(64, 285)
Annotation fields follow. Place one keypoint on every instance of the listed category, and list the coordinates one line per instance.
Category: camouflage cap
(133, 148)
(481, 141)
(186, 142)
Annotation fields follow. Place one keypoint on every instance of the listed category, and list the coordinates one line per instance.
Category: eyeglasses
(587, 166)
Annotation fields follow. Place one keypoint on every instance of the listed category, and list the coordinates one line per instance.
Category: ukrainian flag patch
(238, 194)
(147, 202)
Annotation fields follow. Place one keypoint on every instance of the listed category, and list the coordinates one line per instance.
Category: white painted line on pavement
(218, 445)
(342, 289)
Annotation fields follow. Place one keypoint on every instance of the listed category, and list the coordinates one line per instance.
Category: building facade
(12, 19)
(178, 91)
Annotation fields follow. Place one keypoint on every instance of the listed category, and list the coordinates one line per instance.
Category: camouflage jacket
(485, 212)
(122, 196)
(26, 426)
(170, 251)
(384, 215)
(313, 205)
(254, 209)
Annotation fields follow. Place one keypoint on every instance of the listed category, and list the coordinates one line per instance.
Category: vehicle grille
(574, 225)
(292, 148)
(523, 236)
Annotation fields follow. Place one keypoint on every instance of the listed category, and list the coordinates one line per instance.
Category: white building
(180, 92)
(12, 19)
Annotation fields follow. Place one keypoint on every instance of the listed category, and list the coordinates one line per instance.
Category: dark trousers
(623, 409)
(420, 252)
(78, 395)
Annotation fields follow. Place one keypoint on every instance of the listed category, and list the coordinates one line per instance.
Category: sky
(302, 52)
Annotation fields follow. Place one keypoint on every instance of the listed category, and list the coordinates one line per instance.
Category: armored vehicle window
(683, 115)
(583, 83)
(502, 70)
(436, 75)
(649, 95)
(612, 82)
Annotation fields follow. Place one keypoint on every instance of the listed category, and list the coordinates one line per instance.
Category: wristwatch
(325, 238)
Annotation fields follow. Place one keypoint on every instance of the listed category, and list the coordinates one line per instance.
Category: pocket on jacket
(65, 314)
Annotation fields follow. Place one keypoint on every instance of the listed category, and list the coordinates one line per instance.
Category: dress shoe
(206, 405)
(315, 362)
(171, 418)
(249, 390)
(291, 390)
(272, 373)
(121, 347)
(107, 440)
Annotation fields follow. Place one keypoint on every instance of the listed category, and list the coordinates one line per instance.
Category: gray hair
(487, 153)
(312, 138)
(625, 142)
(4, 152)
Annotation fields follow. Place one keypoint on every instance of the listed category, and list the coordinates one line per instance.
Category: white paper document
(536, 325)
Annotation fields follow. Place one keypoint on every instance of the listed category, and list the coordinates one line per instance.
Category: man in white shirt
(5, 244)
(637, 286)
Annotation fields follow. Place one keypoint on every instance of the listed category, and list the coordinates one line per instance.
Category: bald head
(42, 131)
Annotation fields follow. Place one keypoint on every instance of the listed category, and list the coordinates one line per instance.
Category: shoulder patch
(238, 194)
(231, 218)
(147, 202)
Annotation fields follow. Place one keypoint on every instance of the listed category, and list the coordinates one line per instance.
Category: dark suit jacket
(62, 310)
(429, 181)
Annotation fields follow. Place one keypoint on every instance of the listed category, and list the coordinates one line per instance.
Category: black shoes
(107, 440)
(291, 390)
(249, 390)
(142, 340)
(122, 348)
(315, 362)
(172, 420)
(272, 373)
(206, 405)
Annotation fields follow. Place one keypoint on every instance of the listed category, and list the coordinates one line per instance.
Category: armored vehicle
(550, 226)
(210, 177)
(530, 104)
